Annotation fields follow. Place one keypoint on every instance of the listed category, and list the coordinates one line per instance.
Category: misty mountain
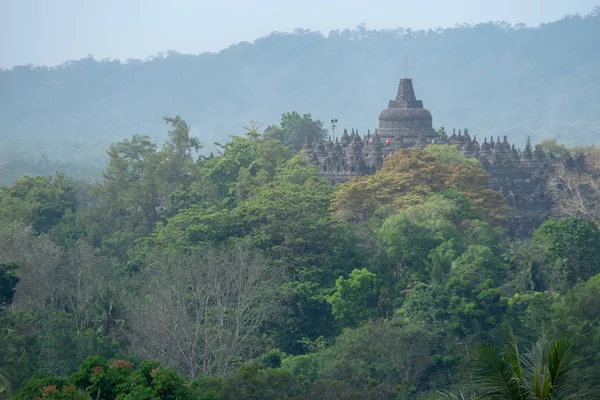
(492, 78)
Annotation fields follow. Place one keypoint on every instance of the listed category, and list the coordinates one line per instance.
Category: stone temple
(406, 118)
(520, 175)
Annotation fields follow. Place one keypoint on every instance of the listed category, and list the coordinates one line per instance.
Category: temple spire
(405, 98)
(406, 91)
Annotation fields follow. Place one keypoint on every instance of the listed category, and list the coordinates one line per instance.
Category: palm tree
(547, 371)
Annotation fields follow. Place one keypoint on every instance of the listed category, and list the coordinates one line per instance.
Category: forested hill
(491, 78)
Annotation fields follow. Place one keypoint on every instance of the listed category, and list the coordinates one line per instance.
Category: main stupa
(405, 120)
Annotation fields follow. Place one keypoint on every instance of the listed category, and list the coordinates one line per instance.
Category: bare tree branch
(201, 312)
(576, 189)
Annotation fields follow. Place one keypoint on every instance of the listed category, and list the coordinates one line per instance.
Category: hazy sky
(50, 32)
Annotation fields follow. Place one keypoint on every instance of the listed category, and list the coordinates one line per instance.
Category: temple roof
(406, 96)
(406, 108)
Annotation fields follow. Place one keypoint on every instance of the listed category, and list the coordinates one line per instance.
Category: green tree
(579, 310)
(295, 130)
(388, 354)
(44, 386)
(355, 299)
(99, 378)
(251, 381)
(551, 146)
(237, 154)
(46, 203)
(127, 201)
(450, 154)
(475, 301)
(179, 150)
(411, 235)
(529, 312)
(244, 164)
(8, 282)
(137, 185)
(571, 248)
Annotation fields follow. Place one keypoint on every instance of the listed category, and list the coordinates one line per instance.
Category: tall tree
(198, 313)
(39, 260)
(82, 279)
(295, 130)
(571, 248)
(179, 151)
(43, 202)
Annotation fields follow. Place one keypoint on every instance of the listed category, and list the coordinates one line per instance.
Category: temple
(519, 174)
(406, 119)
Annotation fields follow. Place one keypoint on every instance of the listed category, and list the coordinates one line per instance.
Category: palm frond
(563, 368)
(497, 376)
(536, 369)
(547, 371)
(511, 351)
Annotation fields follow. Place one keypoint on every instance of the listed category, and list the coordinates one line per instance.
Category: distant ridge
(538, 82)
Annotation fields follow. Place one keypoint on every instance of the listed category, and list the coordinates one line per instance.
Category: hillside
(492, 78)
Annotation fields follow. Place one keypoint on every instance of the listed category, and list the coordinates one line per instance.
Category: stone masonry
(519, 174)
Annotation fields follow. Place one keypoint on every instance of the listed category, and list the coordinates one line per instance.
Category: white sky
(50, 32)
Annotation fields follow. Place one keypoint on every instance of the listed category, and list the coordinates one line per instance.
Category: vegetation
(544, 83)
(548, 370)
(245, 275)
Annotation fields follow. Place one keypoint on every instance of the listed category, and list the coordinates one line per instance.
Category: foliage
(385, 353)
(251, 381)
(46, 203)
(98, 378)
(548, 370)
(296, 130)
(247, 275)
(553, 147)
(571, 247)
(355, 298)
(446, 154)
(136, 186)
(410, 176)
(8, 280)
(43, 386)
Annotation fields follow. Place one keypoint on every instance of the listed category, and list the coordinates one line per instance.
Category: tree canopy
(246, 275)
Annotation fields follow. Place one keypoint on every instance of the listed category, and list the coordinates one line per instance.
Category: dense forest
(492, 78)
(245, 275)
